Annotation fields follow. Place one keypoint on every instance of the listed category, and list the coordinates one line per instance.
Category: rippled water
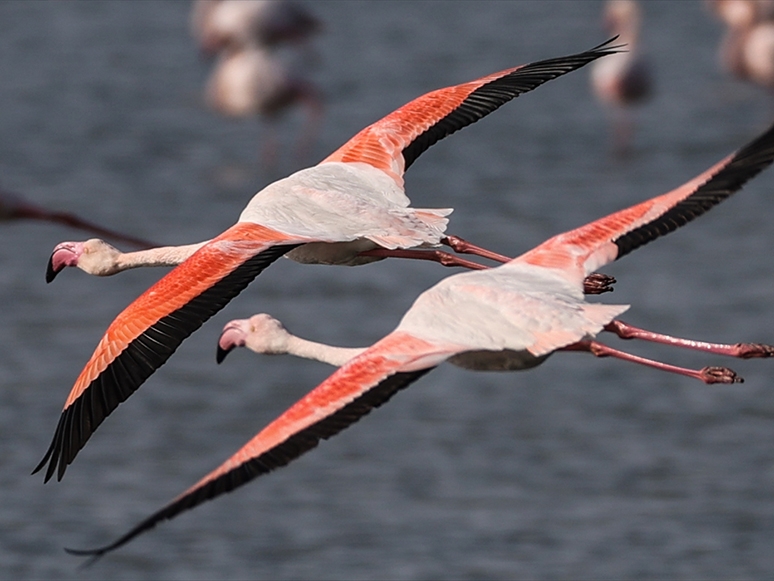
(580, 468)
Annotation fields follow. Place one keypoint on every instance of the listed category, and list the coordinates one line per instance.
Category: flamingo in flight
(14, 207)
(349, 209)
(507, 318)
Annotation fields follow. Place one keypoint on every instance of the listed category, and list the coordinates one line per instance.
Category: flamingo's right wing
(362, 384)
(590, 247)
(150, 329)
(393, 143)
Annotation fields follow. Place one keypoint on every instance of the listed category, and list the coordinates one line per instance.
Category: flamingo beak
(65, 254)
(232, 336)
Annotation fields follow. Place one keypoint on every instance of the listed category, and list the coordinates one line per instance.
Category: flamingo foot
(752, 350)
(598, 283)
(719, 375)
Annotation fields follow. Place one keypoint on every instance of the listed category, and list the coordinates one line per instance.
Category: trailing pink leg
(464, 247)
(706, 374)
(594, 284)
(443, 258)
(741, 350)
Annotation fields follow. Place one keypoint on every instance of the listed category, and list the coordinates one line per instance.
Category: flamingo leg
(740, 350)
(462, 246)
(594, 284)
(443, 258)
(705, 374)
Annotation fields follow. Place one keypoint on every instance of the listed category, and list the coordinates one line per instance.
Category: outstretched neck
(162, 256)
(336, 356)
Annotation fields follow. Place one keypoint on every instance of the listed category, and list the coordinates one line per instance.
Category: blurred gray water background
(581, 468)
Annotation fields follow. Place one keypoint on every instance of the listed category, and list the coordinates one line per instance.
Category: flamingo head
(261, 333)
(94, 256)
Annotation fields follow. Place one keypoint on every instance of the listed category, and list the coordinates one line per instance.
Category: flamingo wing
(364, 383)
(150, 329)
(589, 247)
(393, 143)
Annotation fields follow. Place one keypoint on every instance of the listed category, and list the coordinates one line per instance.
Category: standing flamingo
(623, 80)
(267, 23)
(747, 49)
(349, 209)
(14, 207)
(250, 80)
(250, 77)
(507, 318)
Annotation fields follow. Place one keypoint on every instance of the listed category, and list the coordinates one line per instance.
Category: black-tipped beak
(51, 271)
(221, 354)
(232, 336)
(65, 254)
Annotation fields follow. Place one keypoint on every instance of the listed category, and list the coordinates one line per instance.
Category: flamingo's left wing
(148, 331)
(393, 143)
(362, 384)
(589, 247)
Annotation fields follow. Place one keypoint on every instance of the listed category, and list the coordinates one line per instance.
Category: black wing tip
(49, 472)
(132, 367)
(93, 556)
(608, 47)
(757, 144)
(99, 552)
(53, 456)
(42, 463)
(743, 165)
(281, 455)
(498, 91)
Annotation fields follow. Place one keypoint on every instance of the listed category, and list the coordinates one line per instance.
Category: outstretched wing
(150, 329)
(362, 384)
(393, 143)
(592, 246)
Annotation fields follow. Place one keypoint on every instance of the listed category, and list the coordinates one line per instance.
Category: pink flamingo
(624, 80)
(350, 209)
(14, 207)
(216, 24)
(747, 50)
(249, 80)
(507, 318)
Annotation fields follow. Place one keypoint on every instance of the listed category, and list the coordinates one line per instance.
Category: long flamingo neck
(161, 256)
(336, 356)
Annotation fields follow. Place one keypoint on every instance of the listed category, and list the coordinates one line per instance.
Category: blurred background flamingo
(625, 80)
(252, 76)
(747, 49)
(216, 24)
